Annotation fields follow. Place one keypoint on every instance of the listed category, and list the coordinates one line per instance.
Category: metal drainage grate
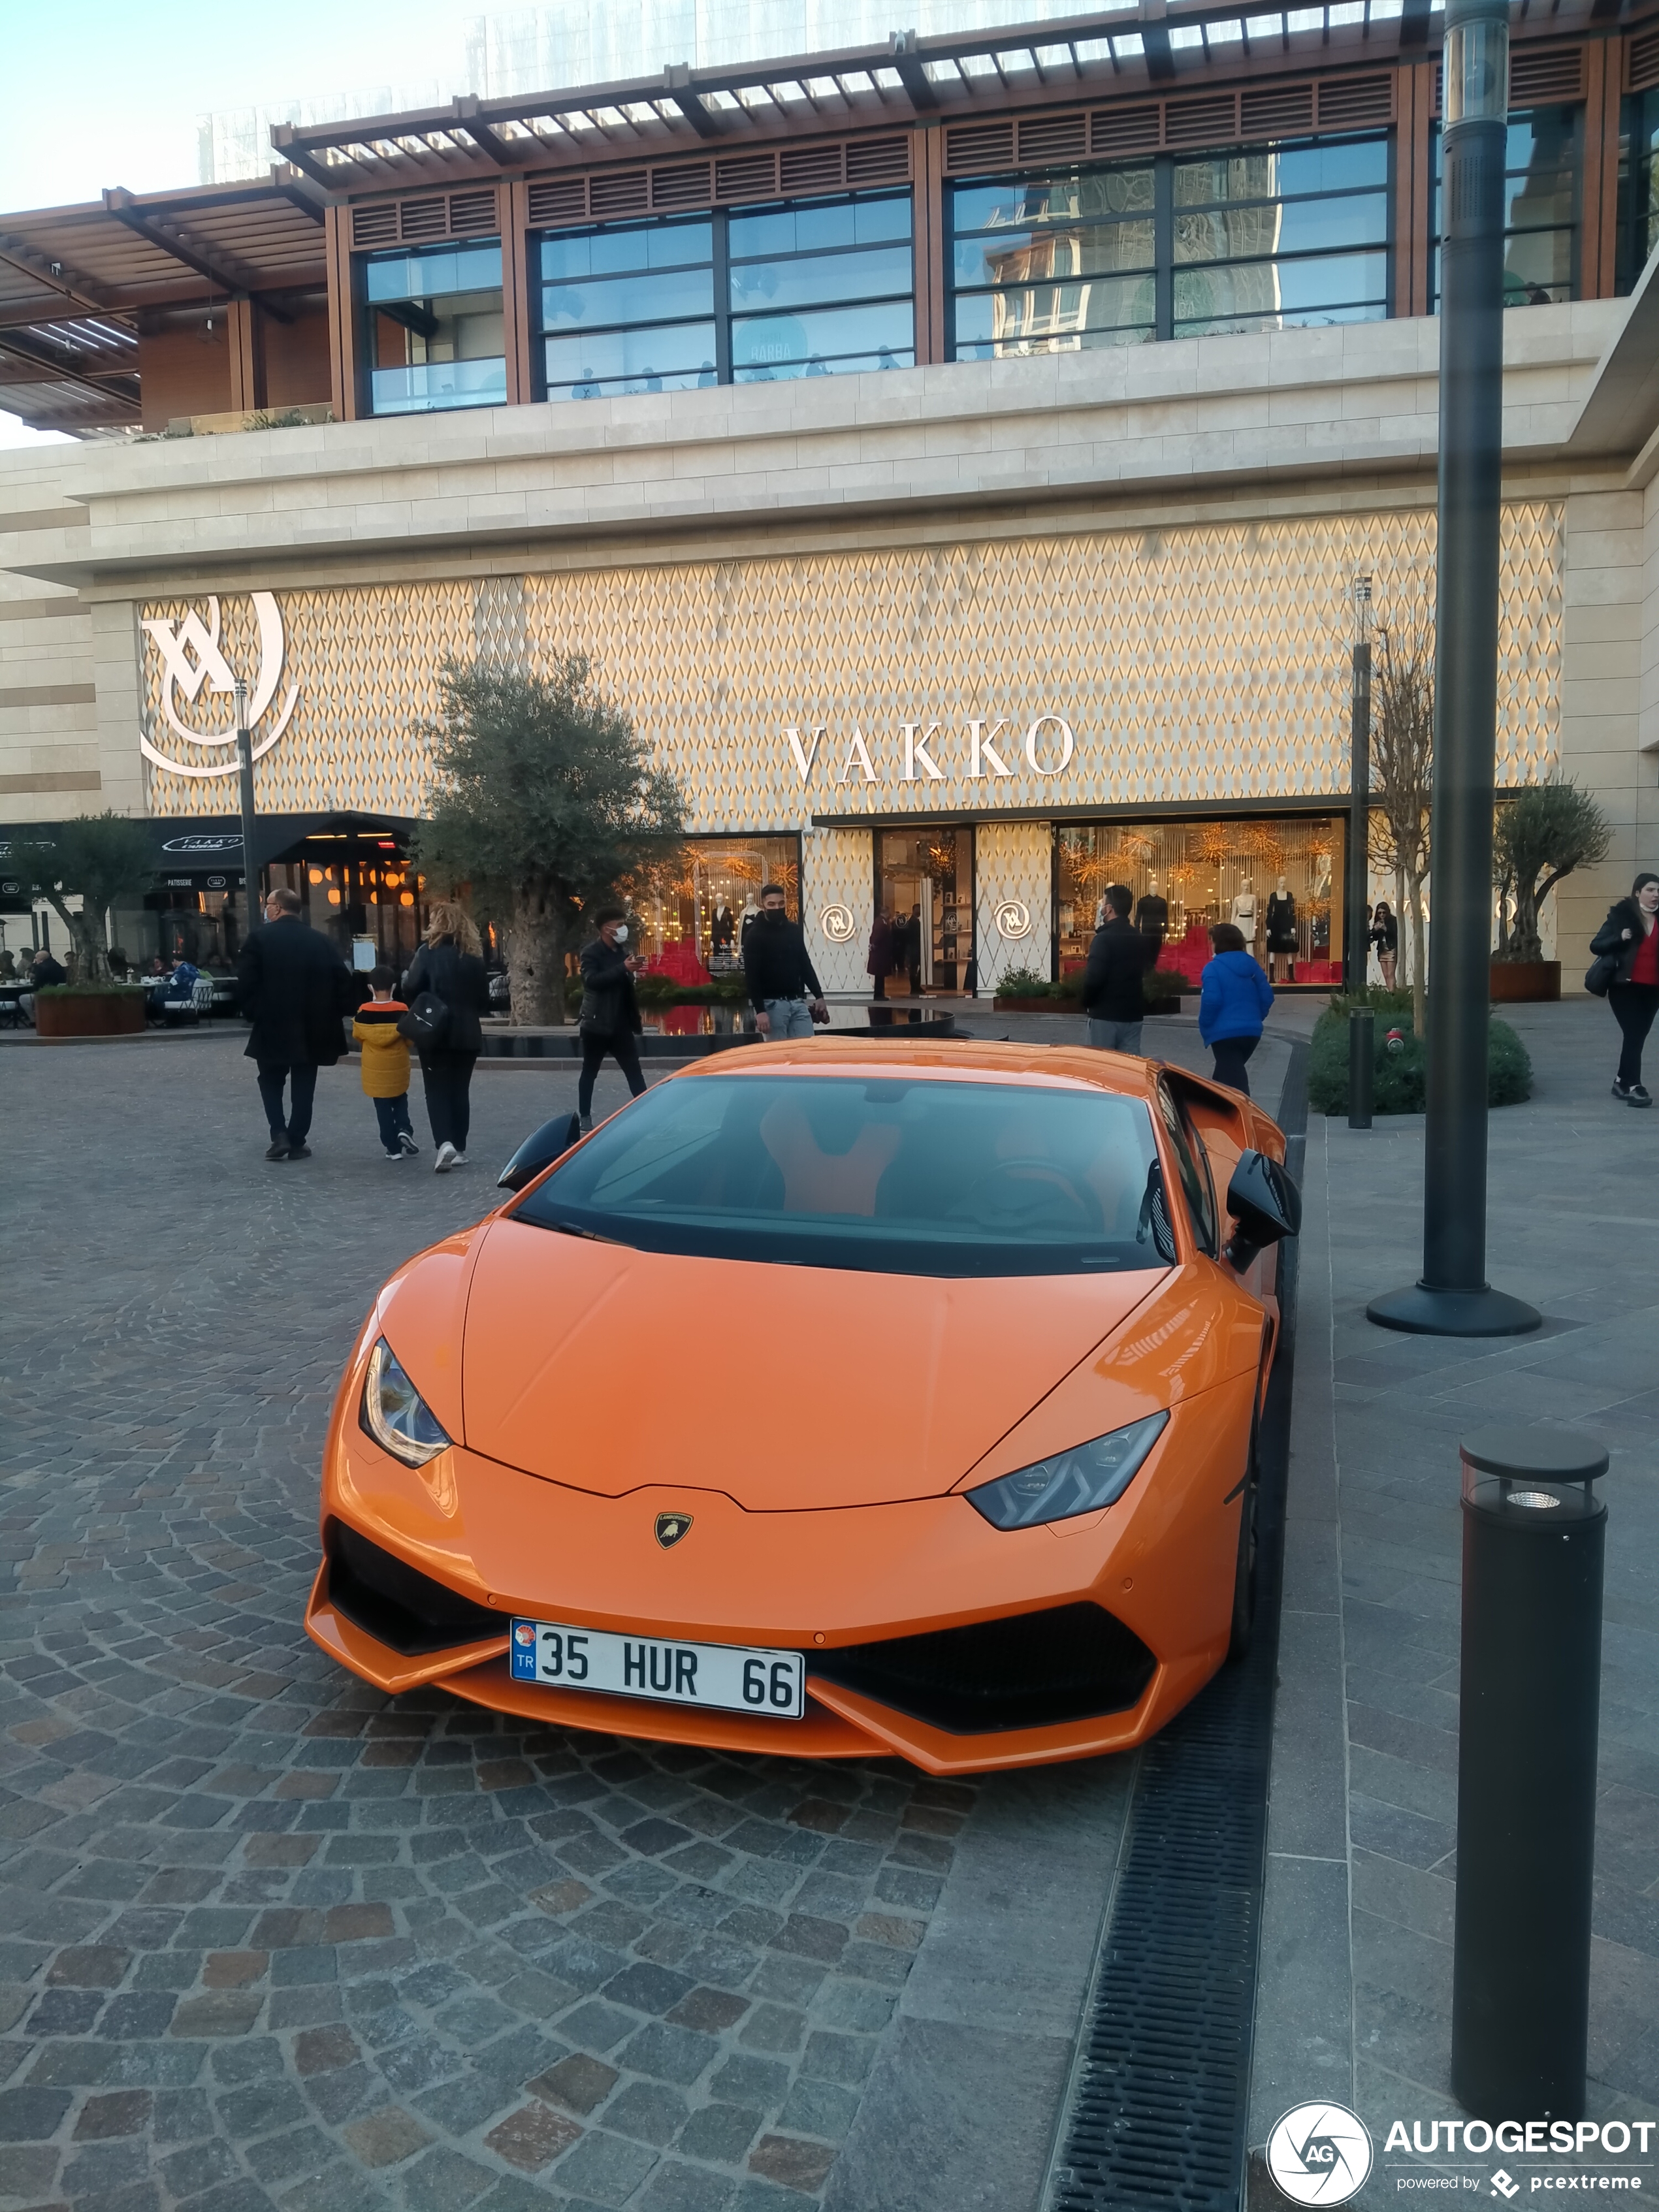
(1160, 2092)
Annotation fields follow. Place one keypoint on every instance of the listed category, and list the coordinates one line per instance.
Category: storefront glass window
(434, 329)
(695, 908)
(820, 288)
(1277, 878)
(1256, 239)
(628, 307)
(923, 940)
(1541, 166)
(1638, 187)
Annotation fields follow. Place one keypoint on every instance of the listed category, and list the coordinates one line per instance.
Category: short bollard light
(1534, 1535)
(1361, 1063)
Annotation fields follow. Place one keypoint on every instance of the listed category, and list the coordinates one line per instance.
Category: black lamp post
(1452, 1297)
(244, 767)
(1359, 755)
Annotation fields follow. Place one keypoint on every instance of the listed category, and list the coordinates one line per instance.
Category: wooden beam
(55, 372)
(80, 291)
(676, 86)
(501, 150)
(282, 138)
(904, 58)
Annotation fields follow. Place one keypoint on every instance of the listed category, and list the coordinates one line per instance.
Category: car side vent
(399, 1605)
(1037, 1670)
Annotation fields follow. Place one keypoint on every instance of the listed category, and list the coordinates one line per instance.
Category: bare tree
(1402, 771)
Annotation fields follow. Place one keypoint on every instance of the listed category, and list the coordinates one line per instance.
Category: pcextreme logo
(1319, 2154)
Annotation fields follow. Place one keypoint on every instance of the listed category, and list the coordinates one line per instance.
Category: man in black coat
(1118, 959)
(294, 987)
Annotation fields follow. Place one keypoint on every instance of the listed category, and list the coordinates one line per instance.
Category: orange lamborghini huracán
(837, 1398)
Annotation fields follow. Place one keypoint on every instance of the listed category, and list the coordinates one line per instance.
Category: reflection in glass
(628, 308)
(434, 329)
(840, 267)
(1638, 187)
(1541, 164)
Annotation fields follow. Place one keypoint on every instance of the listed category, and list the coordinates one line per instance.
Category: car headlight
(395, 1413)
(1080, 1481)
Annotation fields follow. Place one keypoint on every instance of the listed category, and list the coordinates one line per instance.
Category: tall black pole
(1453, 1297)
(1358, 948)
(245, 766)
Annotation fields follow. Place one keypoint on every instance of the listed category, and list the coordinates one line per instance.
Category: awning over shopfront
(196, 852)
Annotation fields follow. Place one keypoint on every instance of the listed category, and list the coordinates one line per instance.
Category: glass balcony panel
(428, 387)
(878, 334)
(675, 357)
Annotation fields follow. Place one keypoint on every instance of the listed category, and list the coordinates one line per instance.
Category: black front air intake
(1036, 1670)
(396, 1604)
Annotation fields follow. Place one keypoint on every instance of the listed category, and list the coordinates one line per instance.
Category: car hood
(786, 1388)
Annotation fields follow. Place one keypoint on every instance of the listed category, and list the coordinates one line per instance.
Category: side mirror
(1266, 1204)
(549, 1143)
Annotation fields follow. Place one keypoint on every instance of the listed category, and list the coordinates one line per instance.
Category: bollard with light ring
(1529, 1696)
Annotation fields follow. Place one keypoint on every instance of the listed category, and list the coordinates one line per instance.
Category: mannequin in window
(1152, 917)
(750, 916)
(722, 929)
(1282, 932)
(1244, 910)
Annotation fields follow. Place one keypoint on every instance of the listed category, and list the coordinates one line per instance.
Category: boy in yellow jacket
(385, 1065)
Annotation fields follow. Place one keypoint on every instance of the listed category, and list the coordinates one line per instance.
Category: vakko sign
(193, 660)
(982, 751)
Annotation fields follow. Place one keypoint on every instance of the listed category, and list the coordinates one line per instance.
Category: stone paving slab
(1356, 1991)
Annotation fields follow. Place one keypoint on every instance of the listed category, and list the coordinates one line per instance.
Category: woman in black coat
(1385, 940)
(450, 965)
(1630, 938)
(610, 1016)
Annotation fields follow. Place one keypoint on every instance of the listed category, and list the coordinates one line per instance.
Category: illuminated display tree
(543, 799)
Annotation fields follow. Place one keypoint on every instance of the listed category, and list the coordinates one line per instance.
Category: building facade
(960, 471)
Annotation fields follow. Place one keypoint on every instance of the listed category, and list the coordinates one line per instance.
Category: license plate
(723, 1678)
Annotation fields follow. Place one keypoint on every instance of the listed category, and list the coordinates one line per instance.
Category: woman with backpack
(1626, 949)
(610, 1016)
(446, 991)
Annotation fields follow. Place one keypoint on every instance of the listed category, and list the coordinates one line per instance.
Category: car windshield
(888, 1177)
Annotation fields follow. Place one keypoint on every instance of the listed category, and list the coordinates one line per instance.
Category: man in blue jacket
(1232, 1005)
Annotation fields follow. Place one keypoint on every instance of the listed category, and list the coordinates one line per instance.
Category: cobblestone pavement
(268, 1938)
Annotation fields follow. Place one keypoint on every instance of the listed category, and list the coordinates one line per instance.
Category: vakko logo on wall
(193, 660)
(927, 752)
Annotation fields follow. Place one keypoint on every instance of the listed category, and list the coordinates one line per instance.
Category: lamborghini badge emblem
(670, 1526)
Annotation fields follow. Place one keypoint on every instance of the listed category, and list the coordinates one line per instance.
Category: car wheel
(1243, 1620)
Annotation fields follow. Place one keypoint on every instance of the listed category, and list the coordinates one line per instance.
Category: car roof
(1038, 1067)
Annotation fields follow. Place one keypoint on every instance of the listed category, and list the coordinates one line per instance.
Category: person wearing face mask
(783, 988)
(610, 1016)
(1627, 948)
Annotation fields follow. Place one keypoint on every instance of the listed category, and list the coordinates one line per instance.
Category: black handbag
(1601, 971)
(426, 1023)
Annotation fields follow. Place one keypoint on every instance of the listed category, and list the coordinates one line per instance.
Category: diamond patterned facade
(1206, 662)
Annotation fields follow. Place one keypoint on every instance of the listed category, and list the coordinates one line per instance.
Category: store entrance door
(925, 896)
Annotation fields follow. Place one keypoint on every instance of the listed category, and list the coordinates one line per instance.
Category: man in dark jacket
(610, 1018)
(294, 987)
(783, 986)
(1118, 959)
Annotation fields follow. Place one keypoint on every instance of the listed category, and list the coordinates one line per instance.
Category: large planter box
(89, 1013)
(1517, 982)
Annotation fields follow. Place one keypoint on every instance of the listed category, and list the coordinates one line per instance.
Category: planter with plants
(1024, 991)
(1541, 834)
(1399, 1083)
(80, 1010)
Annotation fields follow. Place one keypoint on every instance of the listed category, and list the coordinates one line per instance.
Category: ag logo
(837, 923)
(192, 661)
(670, 1526)
(1013, 920)
(1319, 2155)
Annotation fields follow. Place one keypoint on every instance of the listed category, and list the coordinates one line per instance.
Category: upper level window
(1281, 235)
(809, 288)
(1173, 247)
(821, 286)
(1541, 166)
(434, 329)
(628, 307)
(1638, 187)
(1045, 264)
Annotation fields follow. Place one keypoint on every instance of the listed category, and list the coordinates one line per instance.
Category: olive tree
(1541, 834)
(101, 858)
(543, 797)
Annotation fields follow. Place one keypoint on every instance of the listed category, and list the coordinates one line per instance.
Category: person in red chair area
(1630, 935)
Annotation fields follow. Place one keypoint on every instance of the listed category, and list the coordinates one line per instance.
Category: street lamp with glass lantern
(245, 769)
(1452, 1297)
(1359, 754)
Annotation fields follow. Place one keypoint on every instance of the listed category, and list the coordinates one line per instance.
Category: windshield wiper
(572, 1229)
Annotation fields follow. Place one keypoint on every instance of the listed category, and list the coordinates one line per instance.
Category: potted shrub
(1024, 991)
(101, 858)
(1542, 833)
